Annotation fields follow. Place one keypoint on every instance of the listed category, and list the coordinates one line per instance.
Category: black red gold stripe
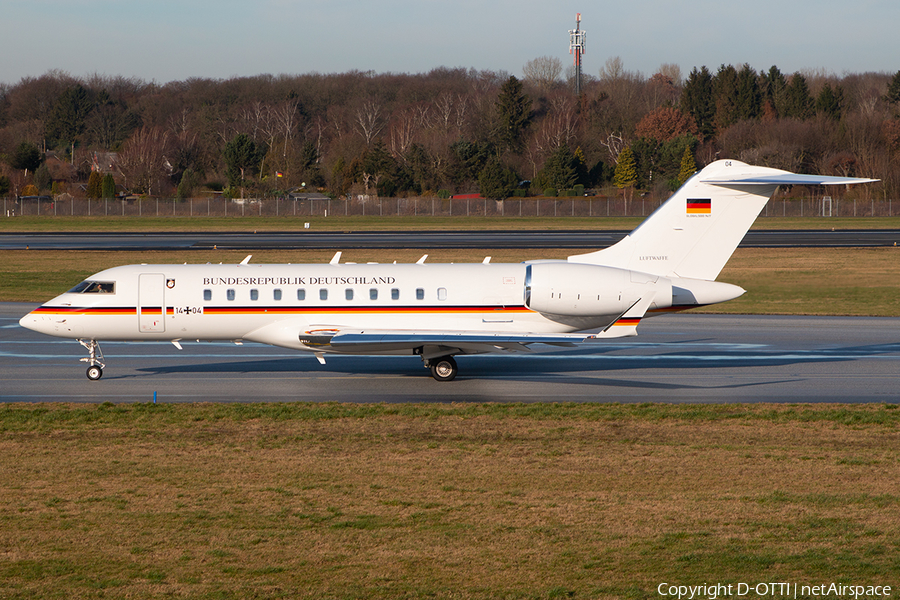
(628, 321)
(283, 310)
(88, 310)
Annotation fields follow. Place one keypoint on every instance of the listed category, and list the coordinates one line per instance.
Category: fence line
(387, 207)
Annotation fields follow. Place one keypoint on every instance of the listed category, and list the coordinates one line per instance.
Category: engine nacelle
(580, 290)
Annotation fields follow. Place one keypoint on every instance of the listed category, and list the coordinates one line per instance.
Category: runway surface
(411, 239)
(676, 358)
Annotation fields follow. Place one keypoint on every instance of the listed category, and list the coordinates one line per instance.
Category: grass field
(466, 501)
(443, 501)
(819, 281)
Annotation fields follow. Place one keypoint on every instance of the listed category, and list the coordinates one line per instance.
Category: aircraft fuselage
(242, 302)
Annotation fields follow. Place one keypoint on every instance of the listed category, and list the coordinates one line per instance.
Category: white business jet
(669, 263)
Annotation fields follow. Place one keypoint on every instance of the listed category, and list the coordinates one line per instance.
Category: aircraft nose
(40, 323)
(68, 326)
(31, 321)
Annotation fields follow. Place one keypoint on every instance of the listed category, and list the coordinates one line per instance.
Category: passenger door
(152, 303)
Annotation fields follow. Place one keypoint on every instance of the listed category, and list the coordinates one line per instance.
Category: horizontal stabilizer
(784, 179)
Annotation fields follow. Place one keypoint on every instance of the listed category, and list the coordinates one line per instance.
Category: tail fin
(695, 232)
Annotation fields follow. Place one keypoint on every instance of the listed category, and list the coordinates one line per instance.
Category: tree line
(447, 131)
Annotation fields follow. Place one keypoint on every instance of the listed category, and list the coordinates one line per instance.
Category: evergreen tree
(420, 165)
(241, 159)
(4, 185)
(688, 166)
(496, 181)
(645, 152)
(772, 88)
(377, 167)
(893, 91)
(95, 185)
(108, 186)
(67, 119)
(726, 95)
(830, 102)
(187, 184)
(42, 178)
(626, 170)
(559, 171)
(26, 157)
(798, 103)
(581, 170)
(697, 99)
(748, 98)
(309, 163)
(514, 114)
(469, 158)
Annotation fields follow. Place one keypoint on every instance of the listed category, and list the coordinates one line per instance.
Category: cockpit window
(94, 287)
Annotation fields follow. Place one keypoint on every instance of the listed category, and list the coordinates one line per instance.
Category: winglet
(336, 259)
(626, 324)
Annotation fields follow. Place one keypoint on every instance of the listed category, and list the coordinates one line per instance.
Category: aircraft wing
(440, 343)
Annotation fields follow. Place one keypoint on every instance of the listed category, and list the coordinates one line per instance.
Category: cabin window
(276, 295)
(373, 294)
(254, 295)
(348, 294)
(442, 293)
(420, 293)
(323, 294)
(301, 294)
(207, 295)
(229, 294)
(395, 294)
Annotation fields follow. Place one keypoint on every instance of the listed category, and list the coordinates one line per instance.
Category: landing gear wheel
(94, 372)
(444, 368)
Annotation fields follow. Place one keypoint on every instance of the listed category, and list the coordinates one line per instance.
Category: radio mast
(576, 47)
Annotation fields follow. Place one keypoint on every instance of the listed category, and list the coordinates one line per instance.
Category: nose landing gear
(95, 360)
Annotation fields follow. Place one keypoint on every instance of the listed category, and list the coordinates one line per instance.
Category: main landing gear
(95, 360)
(442, 368)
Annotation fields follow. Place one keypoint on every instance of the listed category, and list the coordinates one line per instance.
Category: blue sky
(168, 40)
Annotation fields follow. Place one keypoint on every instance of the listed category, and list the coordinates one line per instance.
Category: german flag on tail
(699, 207)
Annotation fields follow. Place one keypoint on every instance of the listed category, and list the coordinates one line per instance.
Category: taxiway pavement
(676, 358)
(582, 239)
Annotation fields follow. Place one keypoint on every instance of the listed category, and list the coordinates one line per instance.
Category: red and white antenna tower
(576, 47)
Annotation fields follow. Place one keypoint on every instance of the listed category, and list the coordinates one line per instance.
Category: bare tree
(672, 71)
(462, 106)
(143, 159)
(613, 69)
(286, 116)
(369, 122)
(614, 143)
(543, 72)
(405, 126)
(560, 126)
